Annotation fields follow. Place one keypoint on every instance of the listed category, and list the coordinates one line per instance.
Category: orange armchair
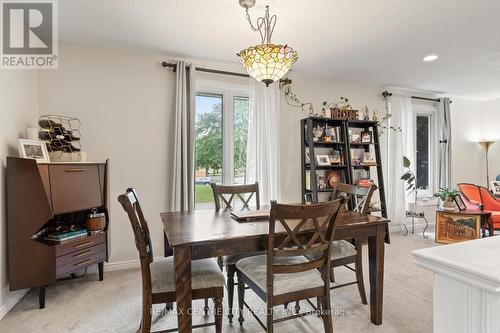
(479, 197)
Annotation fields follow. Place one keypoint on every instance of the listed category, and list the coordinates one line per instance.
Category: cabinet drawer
(74, 187)
(80, 255)
(80, 244)
(80, 263)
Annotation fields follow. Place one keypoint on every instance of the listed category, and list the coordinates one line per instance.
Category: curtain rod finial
(386, 94)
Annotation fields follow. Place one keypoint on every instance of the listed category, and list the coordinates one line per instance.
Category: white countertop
(475, 262)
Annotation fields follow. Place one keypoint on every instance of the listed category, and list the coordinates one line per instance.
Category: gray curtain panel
(182, 198)
(444, 144)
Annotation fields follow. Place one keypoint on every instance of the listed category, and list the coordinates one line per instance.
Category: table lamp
(486, 145)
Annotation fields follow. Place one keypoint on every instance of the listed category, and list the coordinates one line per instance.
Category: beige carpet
(113, 305)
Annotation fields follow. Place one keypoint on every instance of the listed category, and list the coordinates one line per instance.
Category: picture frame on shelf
(460, 203)
(366, 137)
(323, 160)
(34, 149)
(321, 184)
(355, 138)
(336, 157)
(368, 158)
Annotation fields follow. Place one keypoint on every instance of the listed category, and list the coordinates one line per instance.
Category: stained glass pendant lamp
(266, 62)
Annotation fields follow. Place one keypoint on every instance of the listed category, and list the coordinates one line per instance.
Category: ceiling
(374, 41)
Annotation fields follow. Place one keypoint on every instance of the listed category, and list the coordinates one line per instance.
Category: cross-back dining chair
(227, 194)
(344, 252)
(158, 278)
(285, 274)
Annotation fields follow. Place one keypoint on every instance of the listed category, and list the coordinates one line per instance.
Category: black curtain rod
(427, 99)
(206, 70)
(215, 71)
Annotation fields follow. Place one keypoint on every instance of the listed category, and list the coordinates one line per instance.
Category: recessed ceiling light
(430, 57)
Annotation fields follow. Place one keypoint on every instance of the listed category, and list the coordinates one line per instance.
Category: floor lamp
(486, 145)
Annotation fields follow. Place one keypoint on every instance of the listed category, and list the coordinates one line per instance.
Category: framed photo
(322, 160)
(355, 138)
(495, 187)
(335, 157)
(368, 158)
(366, 137)
(33, 149)
(460, 203)
(453, 227)
(321, 183)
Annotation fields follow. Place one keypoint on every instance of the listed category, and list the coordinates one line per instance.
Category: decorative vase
(448, 204)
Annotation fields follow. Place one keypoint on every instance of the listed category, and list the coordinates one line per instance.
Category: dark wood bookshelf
(345, 145)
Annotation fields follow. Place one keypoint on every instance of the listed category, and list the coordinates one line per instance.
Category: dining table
(203, 234)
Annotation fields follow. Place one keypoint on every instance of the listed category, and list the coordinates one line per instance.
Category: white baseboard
(12, 299)
(120, 265)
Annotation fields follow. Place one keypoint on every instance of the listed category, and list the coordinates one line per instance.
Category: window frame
(429, 110)
(228, 91)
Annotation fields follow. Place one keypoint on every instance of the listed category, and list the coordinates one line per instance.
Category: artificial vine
(308, 108)
(384, 122)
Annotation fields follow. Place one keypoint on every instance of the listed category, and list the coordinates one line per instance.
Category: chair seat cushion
(340, 249)
(495, 217)
(234, 258)
(255, 268)
(204, 274)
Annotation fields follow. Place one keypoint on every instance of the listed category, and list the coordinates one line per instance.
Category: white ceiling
(374, 41)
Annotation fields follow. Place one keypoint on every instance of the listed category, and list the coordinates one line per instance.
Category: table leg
(376, 257)
(182, 263)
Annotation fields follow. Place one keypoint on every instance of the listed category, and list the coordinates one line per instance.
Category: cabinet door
(75, 187)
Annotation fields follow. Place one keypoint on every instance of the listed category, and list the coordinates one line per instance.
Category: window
(425, 148)
(208, 146)
(240, 131)
(221, 126)
(423, 151)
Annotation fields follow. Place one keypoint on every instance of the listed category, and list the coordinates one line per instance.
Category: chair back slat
(130, 204)
(309, 229)
(358, 197)
(221, 193)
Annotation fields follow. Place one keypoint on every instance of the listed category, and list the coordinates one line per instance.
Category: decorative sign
(346, 114)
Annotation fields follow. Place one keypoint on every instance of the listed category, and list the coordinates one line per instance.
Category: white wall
(491, 131)
(18, 110)
(467, 155)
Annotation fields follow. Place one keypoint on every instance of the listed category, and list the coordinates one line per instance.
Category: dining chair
(344, 252)
(158, 278)
(284, 274)
(235, 191)
(226, 194)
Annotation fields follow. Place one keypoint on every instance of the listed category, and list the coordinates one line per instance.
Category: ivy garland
(292, 99)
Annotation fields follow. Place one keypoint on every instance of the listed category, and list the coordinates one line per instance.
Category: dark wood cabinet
(38, 195)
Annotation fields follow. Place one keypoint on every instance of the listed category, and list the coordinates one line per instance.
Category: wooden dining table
(206, 234)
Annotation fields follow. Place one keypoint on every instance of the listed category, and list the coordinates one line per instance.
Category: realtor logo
(29, 34)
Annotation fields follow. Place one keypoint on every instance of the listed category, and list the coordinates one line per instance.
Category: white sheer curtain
(263, 146)
(182, 174)
(399, 144)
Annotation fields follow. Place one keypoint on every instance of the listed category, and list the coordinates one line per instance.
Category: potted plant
(410, 178)
(447, 198)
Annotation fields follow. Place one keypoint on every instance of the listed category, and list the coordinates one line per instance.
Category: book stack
(62, 236)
